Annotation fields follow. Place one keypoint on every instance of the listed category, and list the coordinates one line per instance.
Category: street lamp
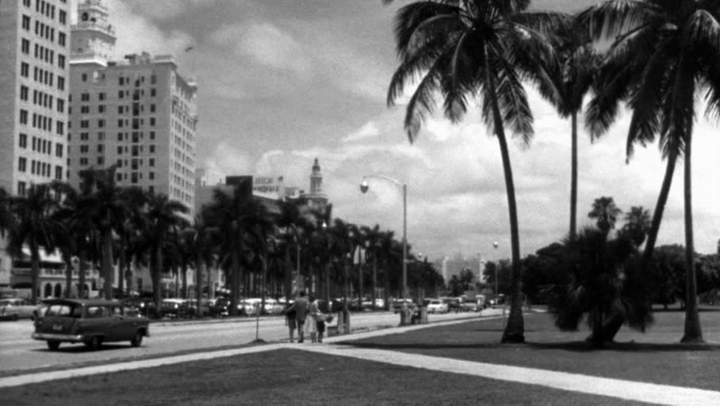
(364, 187)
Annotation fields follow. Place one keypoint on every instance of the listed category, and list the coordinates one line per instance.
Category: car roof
(82, 302)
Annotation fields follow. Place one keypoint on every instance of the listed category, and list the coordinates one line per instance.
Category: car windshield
(64, 309)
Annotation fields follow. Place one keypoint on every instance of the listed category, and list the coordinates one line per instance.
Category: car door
(119, 325)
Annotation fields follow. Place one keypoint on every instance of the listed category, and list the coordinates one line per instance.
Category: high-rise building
(35, 40)
(34, 44)
(138, 114)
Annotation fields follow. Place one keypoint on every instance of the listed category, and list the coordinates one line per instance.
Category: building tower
(92, 37)
(34, 39)
(138, 114)
(316, 198)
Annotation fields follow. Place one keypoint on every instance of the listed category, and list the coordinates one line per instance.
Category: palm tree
(163, 217)
(6, 218)
(128, 230)
(108, 209)
(664, 54)
(35, 226)
(373, 236)
(605, 212)
(564, 81)
(637, 224)
(464, 48)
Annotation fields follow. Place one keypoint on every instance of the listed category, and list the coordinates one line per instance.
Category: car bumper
(72, 338)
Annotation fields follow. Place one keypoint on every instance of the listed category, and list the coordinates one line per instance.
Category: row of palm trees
(256, 243)
(653, 56)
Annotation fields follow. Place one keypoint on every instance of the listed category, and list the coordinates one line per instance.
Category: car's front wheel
(53, 345)
(94, 342)
(137, 339)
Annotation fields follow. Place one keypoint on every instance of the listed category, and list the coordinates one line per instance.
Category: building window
(22, 140)
(60, 128)
(61, 61)
(24, 70)
(100, 160)
(26, 22)
(101, 96)
(152, 92)
(101, 108)
(151, 175)
(25, 46)
(58, 150)
(62, 17)
(85, 96)
(61, 38)
(151, 162)
(23, 117)
(21, 188)
(60, 105)
(60, 83)
(100, 148)
(152, 121)
(22, 162)
(152, 149)
(58, 172)
(24, 92)
(101, 123)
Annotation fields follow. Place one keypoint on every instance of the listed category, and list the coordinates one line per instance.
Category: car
(220, 307)
(272, 306)
(397, 304)
(452, 303)
(249, 306)
(17, 308)
(91, 322)
(436, 306)
(174, 308)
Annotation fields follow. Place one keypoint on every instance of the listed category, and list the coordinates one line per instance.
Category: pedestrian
(311, 324)
(290, 321)
(323, 317)
(300, 307)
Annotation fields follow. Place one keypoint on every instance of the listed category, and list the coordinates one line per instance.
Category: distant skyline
(284, 81)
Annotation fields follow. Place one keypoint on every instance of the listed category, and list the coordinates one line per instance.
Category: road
(19, 352)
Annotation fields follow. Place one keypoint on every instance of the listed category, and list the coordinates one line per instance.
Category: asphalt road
(20, 352)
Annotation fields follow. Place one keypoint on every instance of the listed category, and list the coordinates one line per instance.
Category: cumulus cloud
(368, 130)
(266, 44)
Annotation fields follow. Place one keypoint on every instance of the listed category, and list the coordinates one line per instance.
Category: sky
(282, 82)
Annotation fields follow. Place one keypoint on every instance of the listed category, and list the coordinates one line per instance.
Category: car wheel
(53, 345)
(94, 342)
(137, 340)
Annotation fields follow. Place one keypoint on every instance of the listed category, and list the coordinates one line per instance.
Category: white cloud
(136, 33)
(368, 130)
(266, 44)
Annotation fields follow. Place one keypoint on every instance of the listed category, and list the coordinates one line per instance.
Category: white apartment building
(34, 69)
(138, 114)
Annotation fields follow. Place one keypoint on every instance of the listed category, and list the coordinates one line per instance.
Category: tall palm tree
(108, 209)
(163, 216)
(665, 53)
(373, 236)
(65, 215)
(129, 229)
(35, 227)
(468, 48)
(564, 81)
(637, 224)
(605, 213)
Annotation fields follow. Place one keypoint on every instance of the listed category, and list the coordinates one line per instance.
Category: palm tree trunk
(515, 328)
(157, 269)
(374, 280)
(659, 208)
(184, 280)
(121, 270)
(107, 264)
(573, 177)
(34, 271)
(327, 281)
(68, 276)
(81, 274)
(235, 284)
(386, 285)
(288, 273)
(198, 283)
(693, 331)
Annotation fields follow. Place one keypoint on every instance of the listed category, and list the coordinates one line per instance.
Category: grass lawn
(290, 377)
(655, 356)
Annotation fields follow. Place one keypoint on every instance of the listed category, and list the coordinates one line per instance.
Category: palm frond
(613, 17)
(416, 16)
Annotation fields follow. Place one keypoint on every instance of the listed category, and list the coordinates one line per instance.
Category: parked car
(272, 306)
(397, 304)
(17, 308)
(220, 307)
(175, 307)
(90, 321)
(436, 306)
(453, 303)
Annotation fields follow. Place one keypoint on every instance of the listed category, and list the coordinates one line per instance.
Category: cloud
(266, 44)
(136, 33)
(368, 130)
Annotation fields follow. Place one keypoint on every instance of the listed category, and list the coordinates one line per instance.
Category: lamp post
(495, 245)
(364, 186)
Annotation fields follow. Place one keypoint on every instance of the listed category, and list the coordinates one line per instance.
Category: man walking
(300, 307)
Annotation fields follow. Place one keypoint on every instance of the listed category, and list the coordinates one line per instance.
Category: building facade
(34, 69)
(317, 199)
(138, 114)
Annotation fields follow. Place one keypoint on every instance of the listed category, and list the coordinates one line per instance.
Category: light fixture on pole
(364, 187)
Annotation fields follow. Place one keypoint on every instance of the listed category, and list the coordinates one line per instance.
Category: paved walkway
(617, 388)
